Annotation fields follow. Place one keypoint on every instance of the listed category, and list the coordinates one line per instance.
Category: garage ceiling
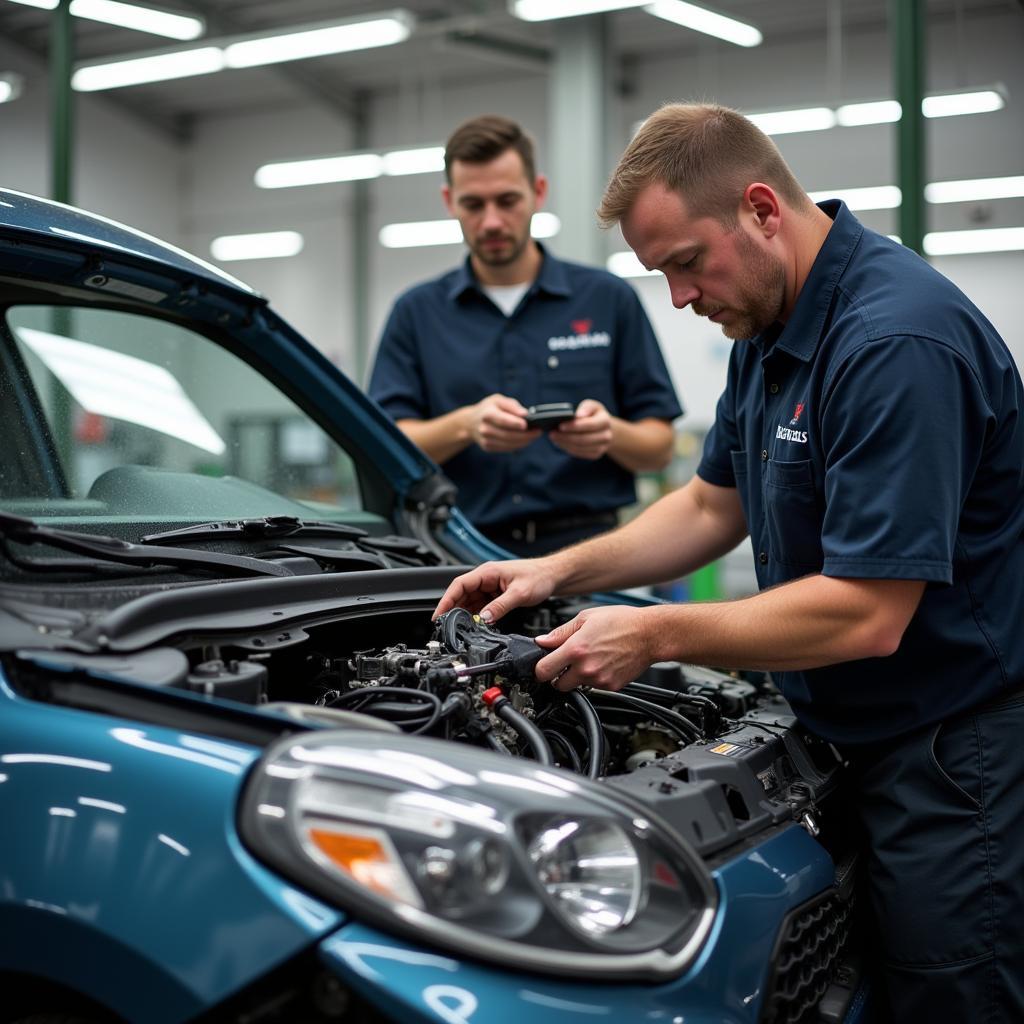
(457, 42)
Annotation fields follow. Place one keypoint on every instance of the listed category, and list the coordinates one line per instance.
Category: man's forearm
(814, 621)
(643, 446)
(443, 437)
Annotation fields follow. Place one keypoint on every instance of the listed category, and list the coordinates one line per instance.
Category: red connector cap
(492, 696)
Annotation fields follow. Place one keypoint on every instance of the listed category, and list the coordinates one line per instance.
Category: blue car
(245, 778)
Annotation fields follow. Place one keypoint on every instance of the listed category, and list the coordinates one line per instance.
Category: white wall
(123, 168)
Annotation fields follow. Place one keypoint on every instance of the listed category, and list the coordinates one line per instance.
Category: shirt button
(553, 361)
(763, 557)
(516, 499)
(764, 454)
(774, 389)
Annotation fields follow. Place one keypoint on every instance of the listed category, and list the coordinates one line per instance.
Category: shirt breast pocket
(575, 376)
(792, 514)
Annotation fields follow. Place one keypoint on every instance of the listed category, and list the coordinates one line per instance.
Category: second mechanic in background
(464, 356)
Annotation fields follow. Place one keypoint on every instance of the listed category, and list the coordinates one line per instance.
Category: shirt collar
(552, 277)
(803, 330)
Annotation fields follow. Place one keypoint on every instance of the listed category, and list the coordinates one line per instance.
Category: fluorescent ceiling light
(10, 86)
(548, 10)
(626, 264)
(125, 388)
(781, 122)
(245, 51)
(702, 20)
(139, 17)
(262, 245)
(951, 243)
(956, 103)
(876, 112)
(784, 122)
(888, 197)
(162, 67)
(414, 234)
(414, 161)
(350, 167)
(142, 19)
(874, 197)
(317, 42)
(974, 190)
(316, 172)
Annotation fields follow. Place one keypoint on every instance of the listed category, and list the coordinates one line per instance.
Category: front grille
(806, 957)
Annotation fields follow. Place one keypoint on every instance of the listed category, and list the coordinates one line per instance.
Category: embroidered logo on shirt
(581, 337)
(786, 434)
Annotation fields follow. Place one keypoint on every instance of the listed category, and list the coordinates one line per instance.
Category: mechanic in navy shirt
(462, 356)
(870, 441)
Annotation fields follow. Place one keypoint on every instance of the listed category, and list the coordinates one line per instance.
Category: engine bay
(719, 756)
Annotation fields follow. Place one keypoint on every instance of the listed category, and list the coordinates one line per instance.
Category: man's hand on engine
(601, 647)
(495, 588)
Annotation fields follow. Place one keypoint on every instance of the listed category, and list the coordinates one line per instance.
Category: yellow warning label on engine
(726, 748)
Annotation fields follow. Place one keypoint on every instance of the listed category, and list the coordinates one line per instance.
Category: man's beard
(501, 257)
(762, 292)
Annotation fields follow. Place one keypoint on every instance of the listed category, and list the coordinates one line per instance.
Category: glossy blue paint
(724, 986)
(122, 875)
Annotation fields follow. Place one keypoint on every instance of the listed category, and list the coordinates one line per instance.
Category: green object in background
(704, 585)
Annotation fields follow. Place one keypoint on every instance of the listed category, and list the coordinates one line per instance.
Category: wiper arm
(256, 529)
(26, 531)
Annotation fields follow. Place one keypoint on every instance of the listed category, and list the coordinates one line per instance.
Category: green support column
(908, 48)
(61, 112)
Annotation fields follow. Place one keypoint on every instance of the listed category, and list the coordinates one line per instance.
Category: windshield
(115, 415)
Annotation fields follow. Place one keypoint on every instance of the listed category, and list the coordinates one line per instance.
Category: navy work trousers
(943, 812)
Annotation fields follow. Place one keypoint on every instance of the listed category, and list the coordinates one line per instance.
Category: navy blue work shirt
(577, 333)
(879, 435)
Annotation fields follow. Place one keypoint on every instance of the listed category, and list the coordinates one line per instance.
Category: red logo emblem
(796, 414)
(582, 326)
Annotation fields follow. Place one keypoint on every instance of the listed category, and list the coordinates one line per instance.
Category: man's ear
(446, 197)
(762, 204)
(540, 189)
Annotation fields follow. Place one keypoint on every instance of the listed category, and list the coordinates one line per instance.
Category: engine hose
(526, 729)
(561, 746)
(595, 734)
(675, 721)
(400, 697)
(495, 744)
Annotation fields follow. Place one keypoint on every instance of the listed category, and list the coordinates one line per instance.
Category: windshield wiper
(256, 529)
(20, 530)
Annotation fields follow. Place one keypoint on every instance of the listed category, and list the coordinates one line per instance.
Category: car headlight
(490, 856)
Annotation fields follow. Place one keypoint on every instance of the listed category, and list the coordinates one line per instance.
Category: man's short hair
(481, 139)
(706, 153)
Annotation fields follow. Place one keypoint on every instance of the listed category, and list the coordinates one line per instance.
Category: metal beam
(906, 18)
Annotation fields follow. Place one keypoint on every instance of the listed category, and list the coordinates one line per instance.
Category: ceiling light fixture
(140, 17)
(975, 190)
(549, 10)
(246, 51)
(318, 42)
(785, 122)
(814, 119)
(10, 86)
(955, 243)
(702, 20)
(350, 167)
(263, 245)
(873, 197)
(161, 67)
(415, 234)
